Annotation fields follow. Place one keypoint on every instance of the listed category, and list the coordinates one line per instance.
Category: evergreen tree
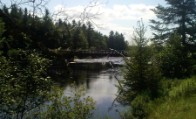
(89, 34)
(82, 43)
(3, 42)
(111, 39)
(99, 42)
(174, 63)
(116, 41)
(142, 73)
(178, 16)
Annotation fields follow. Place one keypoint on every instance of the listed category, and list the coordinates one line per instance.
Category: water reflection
(100, 86)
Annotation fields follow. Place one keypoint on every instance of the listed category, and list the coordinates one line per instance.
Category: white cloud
(119, 18)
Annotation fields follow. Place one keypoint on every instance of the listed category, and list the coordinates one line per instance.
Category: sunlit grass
(179, 104)
(180, 109)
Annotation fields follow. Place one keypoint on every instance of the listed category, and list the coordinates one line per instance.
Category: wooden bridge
(88, 53)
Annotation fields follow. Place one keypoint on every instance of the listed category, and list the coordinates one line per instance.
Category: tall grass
(185, 89)
(180, 103)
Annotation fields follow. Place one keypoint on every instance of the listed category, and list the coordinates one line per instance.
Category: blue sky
(106, 15)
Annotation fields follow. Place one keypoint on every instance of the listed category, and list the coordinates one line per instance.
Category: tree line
(27, 31)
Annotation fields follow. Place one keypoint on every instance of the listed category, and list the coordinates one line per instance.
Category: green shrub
(69, 107)
(140, 108)
(184, 89)
(24, 84)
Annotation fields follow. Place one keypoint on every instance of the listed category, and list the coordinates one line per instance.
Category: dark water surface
(101, 86)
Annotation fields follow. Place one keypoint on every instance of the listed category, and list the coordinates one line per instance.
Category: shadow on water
(100, 84)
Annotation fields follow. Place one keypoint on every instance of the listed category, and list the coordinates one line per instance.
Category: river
(100, 85)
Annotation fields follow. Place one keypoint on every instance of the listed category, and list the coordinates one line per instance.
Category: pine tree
(89, 35)
(174, 63)
(178, 16)
(142, 73)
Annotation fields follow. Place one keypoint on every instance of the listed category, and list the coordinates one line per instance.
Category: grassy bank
(175, 109)
(179, 102)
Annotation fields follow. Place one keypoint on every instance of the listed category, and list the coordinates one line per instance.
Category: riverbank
(183, 108)
(178, 101)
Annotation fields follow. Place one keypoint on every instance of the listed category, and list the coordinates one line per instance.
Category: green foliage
(178, 102)
(25, 88)
(24, 84)
(2, 29)
(71, 107)
(177, 16)
(175, 62)
(178, 109)
(139, 107)
(116, 41)
(185, 89)
(27, 31)
(193, 62)
(79, 40)
(142, 73)
(174, 33)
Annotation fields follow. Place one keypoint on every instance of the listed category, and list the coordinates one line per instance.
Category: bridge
(88, 53)
(66, 58)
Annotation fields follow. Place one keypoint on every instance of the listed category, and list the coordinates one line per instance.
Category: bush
(139, 107)
(69, 107)
(24, 84)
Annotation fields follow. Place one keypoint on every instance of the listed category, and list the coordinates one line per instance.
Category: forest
(26, 31)
(159, 77)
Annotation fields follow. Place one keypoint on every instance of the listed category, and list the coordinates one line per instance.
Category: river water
(100, 85)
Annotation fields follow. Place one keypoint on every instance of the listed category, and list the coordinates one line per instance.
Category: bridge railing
(89, 52)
